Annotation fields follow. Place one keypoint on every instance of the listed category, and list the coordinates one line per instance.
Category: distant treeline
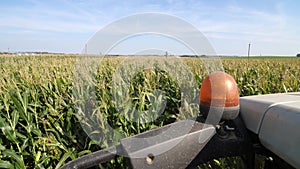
(14, 53)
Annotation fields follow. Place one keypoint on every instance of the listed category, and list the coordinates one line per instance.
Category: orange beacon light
(219, 91)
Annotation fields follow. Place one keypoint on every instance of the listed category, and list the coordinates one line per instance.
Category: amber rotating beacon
(219, 91)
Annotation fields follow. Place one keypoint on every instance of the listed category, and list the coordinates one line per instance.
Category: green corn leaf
(12, 154)
(81, 153)
(6, 164)
(37, 156)
(63, 159)
(2, 147)
(7, 130)
(15, 119)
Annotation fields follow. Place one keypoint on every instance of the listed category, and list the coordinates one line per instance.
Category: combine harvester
(262, 124)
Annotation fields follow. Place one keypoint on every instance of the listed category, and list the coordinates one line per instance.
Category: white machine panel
(275, 118)
(253, 108)
(280, 133)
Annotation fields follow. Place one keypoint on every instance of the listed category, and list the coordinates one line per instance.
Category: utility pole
(249, 45)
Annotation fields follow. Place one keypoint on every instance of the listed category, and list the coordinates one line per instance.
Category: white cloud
(245, 24)
(218, 20)
(39, 17)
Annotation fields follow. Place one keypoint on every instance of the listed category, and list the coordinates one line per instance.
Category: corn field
(40, 127)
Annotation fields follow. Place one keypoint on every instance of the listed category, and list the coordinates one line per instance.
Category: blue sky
(271, 26)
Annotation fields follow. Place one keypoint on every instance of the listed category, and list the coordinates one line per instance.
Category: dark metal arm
(92, 159)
